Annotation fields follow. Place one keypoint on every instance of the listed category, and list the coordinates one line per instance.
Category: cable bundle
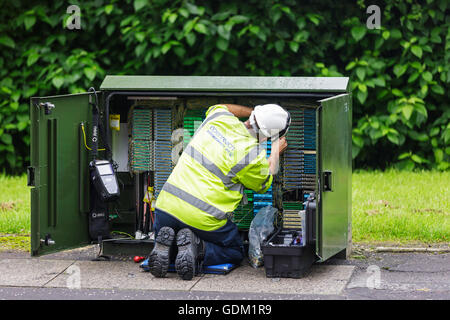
(299, 165)
(265, 199)
(243, 216)
(309, 129)
(140, 124)
(291, 218)
(162, 155)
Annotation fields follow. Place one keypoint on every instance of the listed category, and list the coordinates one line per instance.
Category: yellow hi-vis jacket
(208, 181)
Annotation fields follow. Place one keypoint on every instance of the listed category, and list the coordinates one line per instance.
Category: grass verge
(14, 242)
(14, 205)
(401, 207)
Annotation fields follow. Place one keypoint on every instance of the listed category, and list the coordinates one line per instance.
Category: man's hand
(280, 145)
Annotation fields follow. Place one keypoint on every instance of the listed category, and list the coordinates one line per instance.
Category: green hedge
(399, 73)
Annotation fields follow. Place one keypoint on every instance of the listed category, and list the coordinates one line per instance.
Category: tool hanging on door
(104, 185)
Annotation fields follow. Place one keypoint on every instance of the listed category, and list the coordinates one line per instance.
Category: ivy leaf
(140, 36)
(438, 155)
(357, 140)
(195, 10)
(378, 64)
(417, 51)
(294, 46)
(434, 131)
(190, 38)
(407, 110)
(397, 92)
(420, 108)
(217, 56)
(32, 58)
(29, 21)
(238, 19)
(404, 156)
(139, 4)
(413, 77)
(362, 96)
(221, 16)
(279, 46)
(406, 165)
(379, 81)
(89, 73)
(224, 32)
(393, 138)
(179, 51)
(399, 70)
(110, 29)
(358, 32)
(200, 28)
(418, 136)
(361, 73)
(6, 138)
(276, 16)
(109, 8)
(7, 41)
(166, 47)
(58, 81)
(350, 66)
(437, 89)
(427, 76)
(222, 44)
(362, 87)
(418, 159)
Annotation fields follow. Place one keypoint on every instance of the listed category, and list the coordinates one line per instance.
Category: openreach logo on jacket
(218, 136)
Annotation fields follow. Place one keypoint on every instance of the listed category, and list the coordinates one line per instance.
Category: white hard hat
(271, 119)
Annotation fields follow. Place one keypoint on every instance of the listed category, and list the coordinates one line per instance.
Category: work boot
(190, 254)
(160, 255)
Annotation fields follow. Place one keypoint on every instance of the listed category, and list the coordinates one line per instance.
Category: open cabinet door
(59, 173)
(335, 170)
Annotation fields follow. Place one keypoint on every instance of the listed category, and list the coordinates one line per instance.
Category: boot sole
(185, 263)
(160, 255)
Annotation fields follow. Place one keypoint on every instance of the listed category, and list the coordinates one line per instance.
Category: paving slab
(30, 272)
(325, 279)
(322, 279)
(116, 275)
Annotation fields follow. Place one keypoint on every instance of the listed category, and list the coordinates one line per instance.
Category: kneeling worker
(194, 206)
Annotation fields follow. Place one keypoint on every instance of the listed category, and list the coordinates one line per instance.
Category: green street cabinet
(148, 120)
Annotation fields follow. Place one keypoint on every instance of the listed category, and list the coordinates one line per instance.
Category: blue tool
(216, 269)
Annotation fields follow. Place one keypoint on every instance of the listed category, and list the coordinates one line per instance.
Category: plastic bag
(260, 228)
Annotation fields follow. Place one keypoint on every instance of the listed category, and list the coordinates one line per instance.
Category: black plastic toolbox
(286, 261)
(282, 258)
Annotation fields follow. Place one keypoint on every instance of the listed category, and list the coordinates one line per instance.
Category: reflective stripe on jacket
(209, 178)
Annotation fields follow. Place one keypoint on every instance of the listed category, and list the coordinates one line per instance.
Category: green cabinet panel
(334, 214)
(59, 173)
(225, 84)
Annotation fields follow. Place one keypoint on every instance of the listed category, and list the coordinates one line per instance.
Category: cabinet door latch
(327, 181)
(30, 177)
(48, 240)
(48, 106)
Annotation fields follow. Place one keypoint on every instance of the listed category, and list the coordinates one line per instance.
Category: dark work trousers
(223, 245)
